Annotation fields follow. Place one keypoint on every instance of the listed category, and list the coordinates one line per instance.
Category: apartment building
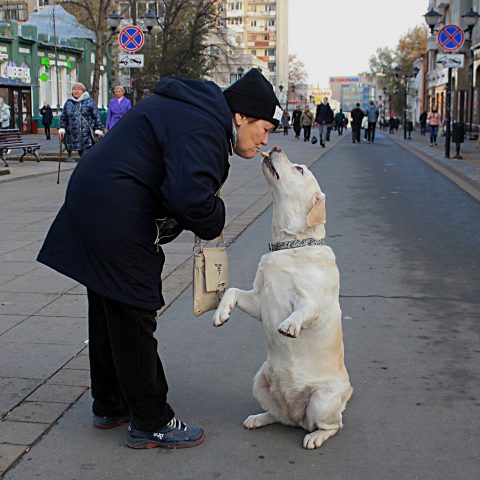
(262, 26)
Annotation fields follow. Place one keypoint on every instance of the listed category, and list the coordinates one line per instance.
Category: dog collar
(307, 242)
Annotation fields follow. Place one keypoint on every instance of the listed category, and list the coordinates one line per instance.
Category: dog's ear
(317, 215)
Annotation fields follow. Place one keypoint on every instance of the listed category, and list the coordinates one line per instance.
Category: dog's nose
(276, 149)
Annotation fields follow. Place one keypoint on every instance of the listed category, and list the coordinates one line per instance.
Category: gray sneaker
(175, 434)
(70, 160)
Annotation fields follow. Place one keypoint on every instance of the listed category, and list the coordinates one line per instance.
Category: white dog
(295, 295)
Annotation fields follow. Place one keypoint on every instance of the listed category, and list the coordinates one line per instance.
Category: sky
(338, 37)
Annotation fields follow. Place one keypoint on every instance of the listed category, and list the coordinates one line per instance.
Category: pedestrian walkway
(464, 172)
(42, 313)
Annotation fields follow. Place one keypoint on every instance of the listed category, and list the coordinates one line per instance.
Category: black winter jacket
(323, 114)
(168, 155)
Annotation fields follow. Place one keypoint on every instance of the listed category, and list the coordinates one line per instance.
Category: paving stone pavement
(43, 336)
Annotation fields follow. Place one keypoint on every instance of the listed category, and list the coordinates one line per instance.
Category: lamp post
(385, 106)
(396, 72)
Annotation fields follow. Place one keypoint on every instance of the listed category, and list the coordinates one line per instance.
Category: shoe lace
(177, 424)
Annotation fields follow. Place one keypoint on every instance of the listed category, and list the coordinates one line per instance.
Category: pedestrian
(285, 122)
(47, 118)
(433, 119)
(330, 124)
(108, 235)
(365, 127)
(322, 117)
(340, 121)
(397, 123)
(306, 121)
(296, 115)
(423, 123)
(372, 113)
(117, 107)
(391, 124)
(409, 127)
(4, 114)
(356, 121)
(79, 121)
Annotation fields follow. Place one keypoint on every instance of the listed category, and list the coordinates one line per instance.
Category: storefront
(18, 96)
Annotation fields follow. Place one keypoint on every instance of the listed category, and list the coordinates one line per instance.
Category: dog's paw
(316, 438)
(220, 317)
(289, 328)
(258, 421)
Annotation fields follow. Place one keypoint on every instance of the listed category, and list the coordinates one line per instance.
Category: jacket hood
(202, 94)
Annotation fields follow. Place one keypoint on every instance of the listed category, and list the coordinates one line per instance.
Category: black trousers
(307, 129)
(126, 372)
(47, 130)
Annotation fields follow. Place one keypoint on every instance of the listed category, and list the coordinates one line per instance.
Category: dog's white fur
(295, 295)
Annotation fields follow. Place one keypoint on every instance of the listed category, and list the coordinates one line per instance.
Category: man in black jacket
(323, 116)
(356, 120)
(165, 158)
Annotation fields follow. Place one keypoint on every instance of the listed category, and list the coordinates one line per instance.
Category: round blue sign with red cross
(450, 38)
(131, 38)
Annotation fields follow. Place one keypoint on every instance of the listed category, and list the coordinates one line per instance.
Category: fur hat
(253, 95)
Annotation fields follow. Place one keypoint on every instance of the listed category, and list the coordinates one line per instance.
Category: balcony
(261, 14)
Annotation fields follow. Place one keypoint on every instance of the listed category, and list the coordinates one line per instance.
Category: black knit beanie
(253, 96)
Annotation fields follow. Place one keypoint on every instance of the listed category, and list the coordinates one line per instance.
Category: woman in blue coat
(117, 107)
(166, 158)
(79, 121)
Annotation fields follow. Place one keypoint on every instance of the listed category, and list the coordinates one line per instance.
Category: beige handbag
(210, 275)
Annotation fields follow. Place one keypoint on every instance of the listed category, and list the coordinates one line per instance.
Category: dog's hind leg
(275, 413)
(324, 412)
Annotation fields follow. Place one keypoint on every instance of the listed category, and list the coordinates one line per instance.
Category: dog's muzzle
(267, 161)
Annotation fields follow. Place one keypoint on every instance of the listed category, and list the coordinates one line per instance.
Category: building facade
(432, 85)
(36, 66)
(262, 30)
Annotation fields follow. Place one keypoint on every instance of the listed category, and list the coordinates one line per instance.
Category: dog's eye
(300, 169)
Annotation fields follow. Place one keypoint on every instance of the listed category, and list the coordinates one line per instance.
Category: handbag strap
(198, 241)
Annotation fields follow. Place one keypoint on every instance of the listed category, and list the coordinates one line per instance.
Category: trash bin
(458, 133)
(34, 126)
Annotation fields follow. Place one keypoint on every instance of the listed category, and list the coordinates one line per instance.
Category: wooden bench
(11, 139)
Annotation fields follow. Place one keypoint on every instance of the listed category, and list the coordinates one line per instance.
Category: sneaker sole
(113, 425)
(142, 444)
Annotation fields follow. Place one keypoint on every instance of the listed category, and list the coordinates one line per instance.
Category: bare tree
(296, 71)
(93, 13)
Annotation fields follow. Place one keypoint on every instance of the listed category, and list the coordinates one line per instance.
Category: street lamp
(150, 19)
(113, 21)
(471, 19)
(432, 17)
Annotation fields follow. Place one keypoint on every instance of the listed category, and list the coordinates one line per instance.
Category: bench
(11, 139)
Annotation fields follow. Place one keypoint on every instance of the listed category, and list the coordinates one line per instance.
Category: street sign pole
(448, 114)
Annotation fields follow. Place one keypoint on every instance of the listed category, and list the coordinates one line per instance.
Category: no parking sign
(131, 38)
(450, 38)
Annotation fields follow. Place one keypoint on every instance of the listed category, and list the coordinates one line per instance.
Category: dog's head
(298, 202)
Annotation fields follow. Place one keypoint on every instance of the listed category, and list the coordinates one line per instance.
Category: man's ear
(317, 215)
